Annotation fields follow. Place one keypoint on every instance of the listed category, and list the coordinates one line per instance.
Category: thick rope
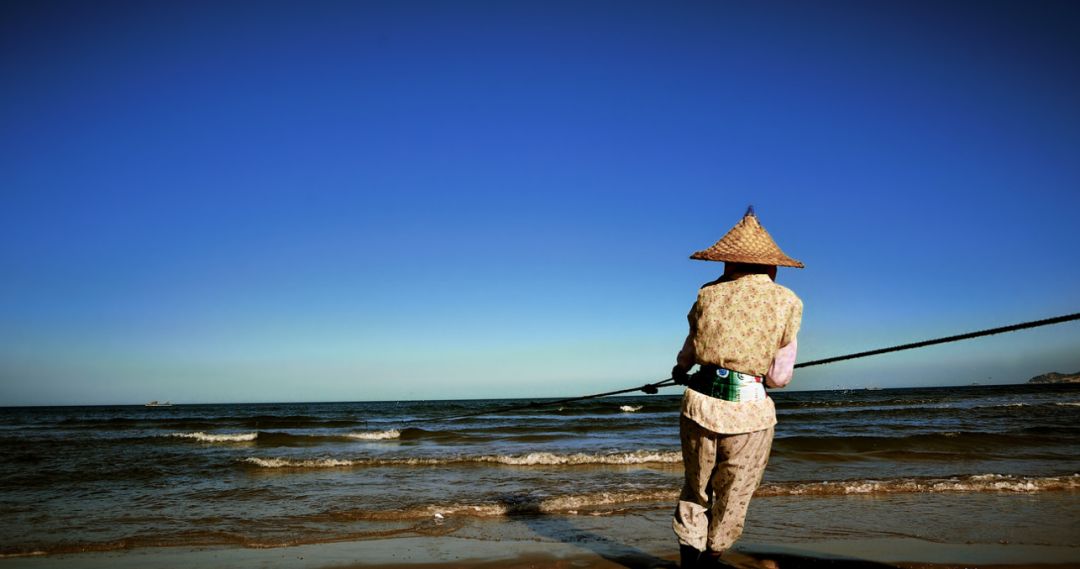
(651, 388)
(956, 338)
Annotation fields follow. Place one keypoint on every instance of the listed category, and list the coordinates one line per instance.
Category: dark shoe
(689, 558)
(711, 560)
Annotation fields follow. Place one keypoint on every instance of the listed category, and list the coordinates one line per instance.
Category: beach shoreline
(637, 540)
(458, 553)
(984, 475)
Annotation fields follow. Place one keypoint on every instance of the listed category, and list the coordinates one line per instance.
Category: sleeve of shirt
(687, 355)
(791, 329)
(783, 367)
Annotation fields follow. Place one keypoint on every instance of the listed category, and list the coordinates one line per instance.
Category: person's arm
(687, 355)
(783, 365)
(684, 361)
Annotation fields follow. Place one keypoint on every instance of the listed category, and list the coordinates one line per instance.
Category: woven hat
(747, 242)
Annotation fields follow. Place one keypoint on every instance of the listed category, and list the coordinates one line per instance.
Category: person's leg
(741, 464)
(691, 521)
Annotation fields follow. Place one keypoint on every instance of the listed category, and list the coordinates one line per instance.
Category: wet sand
(638, 540)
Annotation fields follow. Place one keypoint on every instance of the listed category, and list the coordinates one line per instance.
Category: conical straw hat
(747, 242)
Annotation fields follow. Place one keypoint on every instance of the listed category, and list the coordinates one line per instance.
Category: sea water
(953, 464)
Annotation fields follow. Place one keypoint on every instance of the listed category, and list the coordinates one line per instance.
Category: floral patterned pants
(722, 472)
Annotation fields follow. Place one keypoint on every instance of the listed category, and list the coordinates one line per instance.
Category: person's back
(743, 321)
(743, 331)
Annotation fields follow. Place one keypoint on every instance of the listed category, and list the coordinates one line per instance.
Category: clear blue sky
(317, 201)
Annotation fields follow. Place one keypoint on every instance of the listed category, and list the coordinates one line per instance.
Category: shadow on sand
(754, 559)
(526, 510)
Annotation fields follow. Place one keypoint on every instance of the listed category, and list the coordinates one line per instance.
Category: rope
(651, 388)
(536, 404)
(956, 338)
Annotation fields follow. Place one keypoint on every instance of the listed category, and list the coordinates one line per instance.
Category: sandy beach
(640, 540)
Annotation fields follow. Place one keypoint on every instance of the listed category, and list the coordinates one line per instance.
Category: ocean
(973, 464)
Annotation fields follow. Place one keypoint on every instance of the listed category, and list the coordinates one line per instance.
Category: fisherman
(743, 336)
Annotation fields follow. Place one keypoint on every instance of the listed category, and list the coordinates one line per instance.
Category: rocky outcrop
(1054, 377)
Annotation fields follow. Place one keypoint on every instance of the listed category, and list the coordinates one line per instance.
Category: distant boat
(873, 388)
(156, 403)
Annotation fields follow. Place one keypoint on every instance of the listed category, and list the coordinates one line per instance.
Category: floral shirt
(747, 325)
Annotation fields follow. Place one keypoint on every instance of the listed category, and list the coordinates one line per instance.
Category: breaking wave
(567, 504)
(376, 435)
(630, 408)
(974, 483)
(530, 459)
(616, 501)
(218, 437)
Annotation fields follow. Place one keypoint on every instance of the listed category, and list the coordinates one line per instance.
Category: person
(743, 330)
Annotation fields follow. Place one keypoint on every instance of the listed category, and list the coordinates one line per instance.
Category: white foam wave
(291, 463)
(218, 437)
(600, 503)
(547, 458)
(1068, 403)
(568, 504)
(976, 483)
(376, 435)
(530, 459)
(630, 408)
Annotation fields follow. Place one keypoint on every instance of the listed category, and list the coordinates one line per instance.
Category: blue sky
(320, 201)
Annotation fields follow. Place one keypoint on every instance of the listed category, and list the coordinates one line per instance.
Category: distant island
(1054, 377)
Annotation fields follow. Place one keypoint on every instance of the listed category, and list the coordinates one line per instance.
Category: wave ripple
(218, 437)
(530, 459)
